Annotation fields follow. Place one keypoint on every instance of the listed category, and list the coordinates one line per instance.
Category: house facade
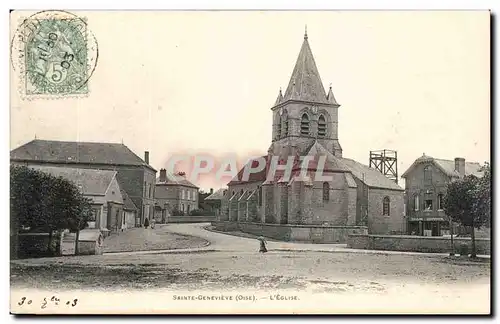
(305, 124)
(102, 188)
(214, 200)
(134, 175)
(425, 187)
(174, 194)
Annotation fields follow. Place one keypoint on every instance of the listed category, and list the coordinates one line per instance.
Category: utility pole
(452, 253)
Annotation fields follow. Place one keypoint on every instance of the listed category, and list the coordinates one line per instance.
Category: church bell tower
(305, 113)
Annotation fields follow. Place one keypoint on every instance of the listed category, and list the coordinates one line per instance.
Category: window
(440, 201)
(182, 197)
(386, 206)
(427, 174)
(149, 190)
(326, 191)
(241, 192)
(188, 195)
(428, 204)
(304, 125)
(416, 202)
(145, 189)
(321, 126)
(286, 125)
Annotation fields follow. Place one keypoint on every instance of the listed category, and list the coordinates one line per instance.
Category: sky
(203, 82)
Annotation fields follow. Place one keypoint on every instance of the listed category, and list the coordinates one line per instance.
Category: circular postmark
(54, 54)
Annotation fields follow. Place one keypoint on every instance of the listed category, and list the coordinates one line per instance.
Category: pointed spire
(330, 98)
(305, 82)
(279, 99)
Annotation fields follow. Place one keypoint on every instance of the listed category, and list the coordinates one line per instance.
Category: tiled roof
(77, 152)
(90, 181)
(170, 179)
(305, 82)
(447, 166)
(332, 163)
(217, 195)
(371, 177)
(252, 177)
(471, 168)
(128, 204)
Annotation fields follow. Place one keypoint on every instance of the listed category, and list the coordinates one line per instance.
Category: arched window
(427, 174)
(304, 125)
(286, 125)
(386, 206)
(280, 125)
(416, 202)
(321, 126)
(326, 191)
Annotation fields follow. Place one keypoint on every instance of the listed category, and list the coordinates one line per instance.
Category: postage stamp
(54, 54)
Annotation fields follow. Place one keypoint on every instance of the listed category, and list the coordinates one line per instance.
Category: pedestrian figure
(153, 223)
(262, 244)
(146, 223)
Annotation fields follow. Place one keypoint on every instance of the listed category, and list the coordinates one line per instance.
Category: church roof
(305, 83)
(253, 177)
(332, 163)
(371, 177)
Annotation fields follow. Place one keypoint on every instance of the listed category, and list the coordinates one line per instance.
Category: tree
(468, 202)
(42, 202)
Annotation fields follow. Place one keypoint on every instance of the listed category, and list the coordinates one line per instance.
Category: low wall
(191, 219)
(286, 232)
(435, 244)
(35, 245)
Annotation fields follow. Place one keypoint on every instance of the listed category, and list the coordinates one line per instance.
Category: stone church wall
(382, 224)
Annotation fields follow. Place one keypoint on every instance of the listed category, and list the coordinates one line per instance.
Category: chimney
(211, 190)
(146, 157)
(460, 166)
(163, 175)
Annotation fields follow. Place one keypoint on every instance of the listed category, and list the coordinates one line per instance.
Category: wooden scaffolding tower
(385, 161)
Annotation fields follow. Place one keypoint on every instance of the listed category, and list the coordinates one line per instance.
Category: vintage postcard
(250, 162)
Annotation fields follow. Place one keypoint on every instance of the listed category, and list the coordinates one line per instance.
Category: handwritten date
(54, 300)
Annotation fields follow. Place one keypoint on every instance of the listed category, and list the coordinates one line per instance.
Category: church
(356, 199)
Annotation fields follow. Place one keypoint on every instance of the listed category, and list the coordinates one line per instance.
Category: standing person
(262, 244)
(153, 223)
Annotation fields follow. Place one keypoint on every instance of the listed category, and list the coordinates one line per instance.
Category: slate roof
(128, 204)
(447, 166)
(217, 195)
(305, 83)
(90, 181)
(371, 177)
(253, 177)
(170, 179)
(77, 152)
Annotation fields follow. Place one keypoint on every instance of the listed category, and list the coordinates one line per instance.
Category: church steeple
(305, 83)
(330, 98)
(279, 99)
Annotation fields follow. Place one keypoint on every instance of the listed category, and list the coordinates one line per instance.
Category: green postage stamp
(55, 55)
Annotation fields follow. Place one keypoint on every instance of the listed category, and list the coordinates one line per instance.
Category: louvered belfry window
(321, 126)
(304, 125)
